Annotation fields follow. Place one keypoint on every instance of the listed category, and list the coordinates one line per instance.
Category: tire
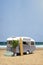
(27, 52)
(15, 54)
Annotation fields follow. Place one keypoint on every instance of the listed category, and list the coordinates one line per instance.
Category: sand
(32, 59)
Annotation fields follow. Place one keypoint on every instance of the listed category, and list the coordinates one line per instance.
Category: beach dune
(32, 59)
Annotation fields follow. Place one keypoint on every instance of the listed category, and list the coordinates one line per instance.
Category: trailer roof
(18, 38)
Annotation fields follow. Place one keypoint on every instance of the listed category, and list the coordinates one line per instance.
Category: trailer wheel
(27, 52)
(15, 54)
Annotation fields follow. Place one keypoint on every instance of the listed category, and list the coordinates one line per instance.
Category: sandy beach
(32, 59)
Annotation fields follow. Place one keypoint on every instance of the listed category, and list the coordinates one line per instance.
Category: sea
(37, 44)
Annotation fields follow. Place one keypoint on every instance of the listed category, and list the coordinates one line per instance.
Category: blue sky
(21, 18)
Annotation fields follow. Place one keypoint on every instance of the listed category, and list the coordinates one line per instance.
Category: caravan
(27, 42)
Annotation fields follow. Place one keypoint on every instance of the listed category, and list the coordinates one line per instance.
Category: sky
(21, 18)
